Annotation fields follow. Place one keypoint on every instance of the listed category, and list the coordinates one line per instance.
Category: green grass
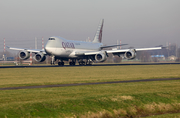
(111, 100)
(44, 76)
(79, 100)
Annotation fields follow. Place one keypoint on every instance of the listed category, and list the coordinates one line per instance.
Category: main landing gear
(61, 63)
(81, 62)
(87, 62)
(72, 62)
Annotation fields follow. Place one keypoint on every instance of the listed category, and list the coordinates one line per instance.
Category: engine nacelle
(24, 55)
(101, 57)
(131, 54)
(40, 57)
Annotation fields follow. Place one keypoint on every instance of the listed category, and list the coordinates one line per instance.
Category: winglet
(98, 36)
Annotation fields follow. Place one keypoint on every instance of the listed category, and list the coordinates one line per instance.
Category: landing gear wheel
(61, 63)
(89, 63)
(82, 63)
(72, 63)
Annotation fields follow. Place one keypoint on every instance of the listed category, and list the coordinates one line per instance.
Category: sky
(139, 23)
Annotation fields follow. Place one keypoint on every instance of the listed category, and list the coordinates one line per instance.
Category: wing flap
(86, 53)
(112, 46)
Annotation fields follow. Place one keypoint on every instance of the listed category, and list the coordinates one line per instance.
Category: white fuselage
(63, 48)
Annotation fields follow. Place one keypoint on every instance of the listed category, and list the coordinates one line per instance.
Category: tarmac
(126, 64)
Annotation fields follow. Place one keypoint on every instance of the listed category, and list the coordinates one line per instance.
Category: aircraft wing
(112, 46)
(120, 51)
(29, 50)
(84, 53)
(136, 49)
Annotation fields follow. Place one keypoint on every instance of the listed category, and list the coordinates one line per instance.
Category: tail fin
(98, 36)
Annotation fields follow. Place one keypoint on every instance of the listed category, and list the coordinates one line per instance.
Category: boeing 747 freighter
(78, 51)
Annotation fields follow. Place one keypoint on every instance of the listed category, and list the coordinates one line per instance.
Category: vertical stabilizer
(98, 36)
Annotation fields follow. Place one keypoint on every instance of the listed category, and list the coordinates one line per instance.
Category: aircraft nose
(48, 50)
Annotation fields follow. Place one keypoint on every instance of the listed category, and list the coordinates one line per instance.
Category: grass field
(42, 76)
(93, 101)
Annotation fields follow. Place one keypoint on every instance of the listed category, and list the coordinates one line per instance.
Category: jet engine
(101, 57)
(24, 55)
(131, 54)
(40, 57)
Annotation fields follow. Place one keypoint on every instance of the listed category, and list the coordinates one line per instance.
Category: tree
(117, 59)
(144, 56)
(178, 55)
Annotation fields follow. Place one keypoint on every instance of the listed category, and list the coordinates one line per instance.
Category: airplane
(82, 52)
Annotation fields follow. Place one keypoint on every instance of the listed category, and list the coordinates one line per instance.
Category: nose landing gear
(53, 60)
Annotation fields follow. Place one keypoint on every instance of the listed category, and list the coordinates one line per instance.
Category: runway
(121, 64)
(81, 84)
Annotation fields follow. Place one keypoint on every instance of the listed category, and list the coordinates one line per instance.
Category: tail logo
(98, 36)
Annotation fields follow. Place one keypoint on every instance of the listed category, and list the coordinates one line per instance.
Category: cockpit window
(51, 38)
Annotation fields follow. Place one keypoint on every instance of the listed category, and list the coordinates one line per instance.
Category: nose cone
(48, 48)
